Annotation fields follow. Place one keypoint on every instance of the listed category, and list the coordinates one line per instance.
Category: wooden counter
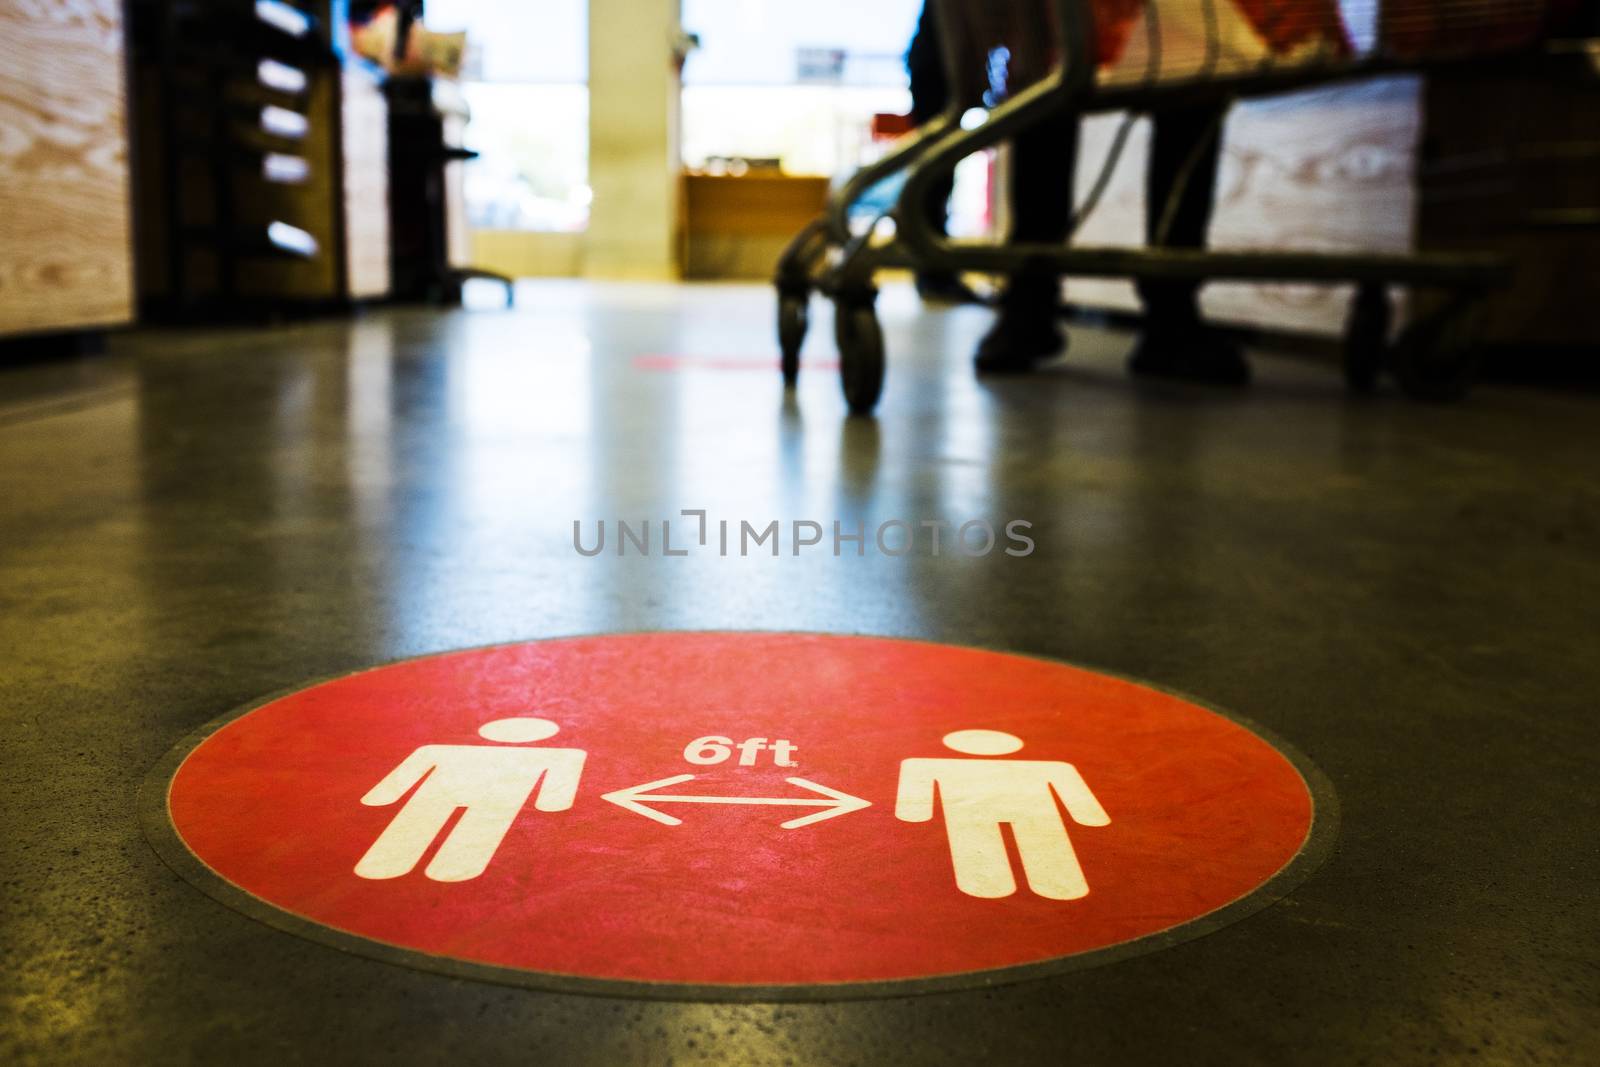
(735, 227)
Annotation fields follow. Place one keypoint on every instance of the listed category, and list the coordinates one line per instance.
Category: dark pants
(930, 92)
(1180, 133)
(1044, 158)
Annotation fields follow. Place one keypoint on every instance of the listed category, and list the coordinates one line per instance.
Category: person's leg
(1185, 147)
(978, 855)
(930, 95)
(409, 834)
(1048, 859)
(1043, 160)
(472, 843)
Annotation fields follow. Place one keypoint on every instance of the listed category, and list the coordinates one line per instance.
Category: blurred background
(324, 325)
(167, 160)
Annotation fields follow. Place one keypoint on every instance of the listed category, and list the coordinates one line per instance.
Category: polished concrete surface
(1406, 593)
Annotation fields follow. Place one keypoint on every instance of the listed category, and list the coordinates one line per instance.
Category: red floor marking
(740, 808)
(660, 362)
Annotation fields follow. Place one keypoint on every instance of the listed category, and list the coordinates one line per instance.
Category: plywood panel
(447, 96)
(365, 130)
(1326, 170)
(65, 245)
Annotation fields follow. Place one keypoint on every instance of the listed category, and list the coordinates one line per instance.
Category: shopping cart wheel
(1436, 357)
(1366, 338)
(793, 318)
(860, 340)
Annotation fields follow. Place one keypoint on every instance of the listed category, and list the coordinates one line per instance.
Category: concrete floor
(1406, 593)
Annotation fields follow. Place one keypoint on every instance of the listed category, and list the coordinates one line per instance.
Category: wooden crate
(735, 227)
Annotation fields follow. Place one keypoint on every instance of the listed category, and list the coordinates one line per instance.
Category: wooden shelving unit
(261, 163)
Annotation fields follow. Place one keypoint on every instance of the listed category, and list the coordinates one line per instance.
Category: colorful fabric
(1015, 42)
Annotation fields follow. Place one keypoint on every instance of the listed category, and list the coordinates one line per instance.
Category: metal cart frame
(1432, 359)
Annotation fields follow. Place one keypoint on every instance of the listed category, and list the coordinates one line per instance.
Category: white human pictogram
(978, 796)
(490, 784)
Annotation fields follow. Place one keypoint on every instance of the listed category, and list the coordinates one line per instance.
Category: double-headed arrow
(833, 802)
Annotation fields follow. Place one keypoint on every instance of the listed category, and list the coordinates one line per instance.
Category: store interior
(331, 333)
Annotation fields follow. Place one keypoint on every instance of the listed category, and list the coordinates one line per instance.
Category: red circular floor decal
(737, 809)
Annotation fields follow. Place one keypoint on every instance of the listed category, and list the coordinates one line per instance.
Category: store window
(525, 77)
(796, 86)
(796, 83)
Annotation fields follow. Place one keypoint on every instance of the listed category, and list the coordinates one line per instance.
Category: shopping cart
(1066, 55)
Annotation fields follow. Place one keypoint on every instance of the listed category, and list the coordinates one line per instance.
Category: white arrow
(835, 802)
